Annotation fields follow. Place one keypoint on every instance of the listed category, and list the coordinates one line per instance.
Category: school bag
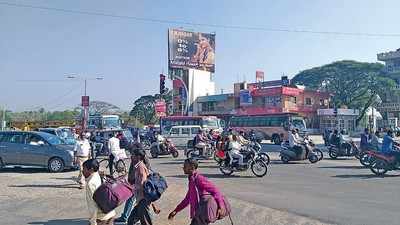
(112, 193)
(154, 186)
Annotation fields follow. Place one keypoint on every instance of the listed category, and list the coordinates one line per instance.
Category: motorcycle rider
(342, 142)
(161, 142)
(374, 141)
(364, 140)
(387, 145)
(242, 139)
(234, 150)
(295, 143)
(200, 142)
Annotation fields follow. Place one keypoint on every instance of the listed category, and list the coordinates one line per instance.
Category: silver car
(35, 149)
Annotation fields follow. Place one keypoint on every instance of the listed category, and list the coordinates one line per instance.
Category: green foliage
(42, 115)
(143, 107)
(353, 84)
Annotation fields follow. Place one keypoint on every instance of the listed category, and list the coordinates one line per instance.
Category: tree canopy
(143, 107)
(353, 84)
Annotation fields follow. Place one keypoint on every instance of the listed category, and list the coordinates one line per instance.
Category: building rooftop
(389, 55)
(214, 98)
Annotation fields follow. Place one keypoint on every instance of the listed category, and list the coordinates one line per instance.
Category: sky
(40, 48)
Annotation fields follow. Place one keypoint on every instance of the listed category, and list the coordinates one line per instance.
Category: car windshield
(298, 124)
(128, 134)
(111, 122)
(52, 139)
(210, 123)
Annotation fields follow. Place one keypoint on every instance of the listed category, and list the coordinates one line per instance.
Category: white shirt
(113, 145)
(235, 147)
(92, 183)
(292, 140)
(83, 148)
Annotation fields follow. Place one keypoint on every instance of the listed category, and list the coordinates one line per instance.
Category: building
(185, 92)
(265, 98)
(342, 119)
(390, 107)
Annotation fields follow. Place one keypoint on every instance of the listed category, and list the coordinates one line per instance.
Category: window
(174, 131)
(33, 139)
(272, 100)
(17, 138)
(186, 131)
(308, 101)
(195, 130)
(293, 100)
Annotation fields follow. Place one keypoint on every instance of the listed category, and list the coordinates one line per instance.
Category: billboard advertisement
(160, 107)
(259, 76)
(194, 50)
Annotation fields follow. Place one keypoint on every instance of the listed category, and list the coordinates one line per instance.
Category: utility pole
(3, 121)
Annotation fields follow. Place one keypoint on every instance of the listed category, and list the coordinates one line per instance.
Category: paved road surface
(339, 191)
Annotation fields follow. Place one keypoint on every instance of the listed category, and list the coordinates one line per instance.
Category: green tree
(143, 107)
(353, 84)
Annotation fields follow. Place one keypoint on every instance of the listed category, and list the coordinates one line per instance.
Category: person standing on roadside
(129, 204)
(113, 147)
(82, 154)
(141, 211)
(198, 187)
(93, 181)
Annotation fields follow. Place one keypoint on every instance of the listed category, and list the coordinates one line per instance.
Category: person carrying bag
(207, 204)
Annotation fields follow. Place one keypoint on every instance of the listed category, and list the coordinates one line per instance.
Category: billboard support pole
(173, 76)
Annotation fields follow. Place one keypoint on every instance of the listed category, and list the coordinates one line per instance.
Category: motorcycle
(220, 155)
(348, 149)
(251, 160)
(287, 154)
(194, 152)
(381, 163)
(168, 148)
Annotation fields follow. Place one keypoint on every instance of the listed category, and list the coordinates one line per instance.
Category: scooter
(194, 152)
(251, 160)
(168, 148)
(287, 154)
(348, 149)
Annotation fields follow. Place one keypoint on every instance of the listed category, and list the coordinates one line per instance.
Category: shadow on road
(363, 176)
(208, 175)
(68, 186)
(23, 170)
(62, 222)
(343, 167)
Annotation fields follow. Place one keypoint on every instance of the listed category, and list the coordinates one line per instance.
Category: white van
(180, 135)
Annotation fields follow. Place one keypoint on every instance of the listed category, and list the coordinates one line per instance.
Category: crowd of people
(139, 209)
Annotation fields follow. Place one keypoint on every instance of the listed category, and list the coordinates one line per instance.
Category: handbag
(207, 208)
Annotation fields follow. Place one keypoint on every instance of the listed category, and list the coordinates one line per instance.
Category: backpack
(154, 187)
(112, 193)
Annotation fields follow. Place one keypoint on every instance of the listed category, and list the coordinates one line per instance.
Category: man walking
(82, 154)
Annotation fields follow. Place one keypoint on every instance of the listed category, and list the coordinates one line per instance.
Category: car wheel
(285, 158)
(56, 165)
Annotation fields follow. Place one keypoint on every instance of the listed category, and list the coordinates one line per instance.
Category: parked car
(180, 135)
(64, 133)
(35, 149)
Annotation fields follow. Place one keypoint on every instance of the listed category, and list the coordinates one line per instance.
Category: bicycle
(119, 167)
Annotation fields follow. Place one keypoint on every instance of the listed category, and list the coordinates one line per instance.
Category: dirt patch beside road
(31, 196)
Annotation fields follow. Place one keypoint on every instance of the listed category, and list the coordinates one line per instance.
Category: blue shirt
(387, 144)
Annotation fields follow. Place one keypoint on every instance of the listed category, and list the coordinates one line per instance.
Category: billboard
(160, 107)
(192, 50)
(259, 76)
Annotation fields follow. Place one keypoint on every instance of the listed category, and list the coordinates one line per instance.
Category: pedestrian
(83, 150)
(199, 186)
(114, 148)
(93, 181)
(364, 140)
(141, 212)
(131, 179)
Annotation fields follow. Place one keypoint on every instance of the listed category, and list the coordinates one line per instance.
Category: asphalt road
(332, 191)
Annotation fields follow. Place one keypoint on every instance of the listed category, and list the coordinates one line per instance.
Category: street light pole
(85, 108)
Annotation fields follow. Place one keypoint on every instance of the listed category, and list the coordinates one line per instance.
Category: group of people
(371, 141)
(138, 208)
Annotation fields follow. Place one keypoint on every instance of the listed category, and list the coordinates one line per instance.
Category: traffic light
(162, 84)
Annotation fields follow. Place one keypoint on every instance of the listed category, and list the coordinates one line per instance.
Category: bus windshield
(111, 122)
